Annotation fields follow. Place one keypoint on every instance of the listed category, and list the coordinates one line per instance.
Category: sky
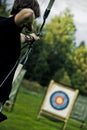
(78, 9)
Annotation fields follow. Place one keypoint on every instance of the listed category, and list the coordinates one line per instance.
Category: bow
(46, 13)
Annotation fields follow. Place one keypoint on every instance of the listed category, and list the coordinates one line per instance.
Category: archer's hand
(35, 36)
(29, 38)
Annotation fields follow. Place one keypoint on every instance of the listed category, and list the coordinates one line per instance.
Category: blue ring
(62, 94)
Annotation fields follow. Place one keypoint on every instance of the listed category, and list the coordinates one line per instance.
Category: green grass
(25, 112)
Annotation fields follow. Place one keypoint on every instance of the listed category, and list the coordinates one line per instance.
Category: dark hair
(21, 4)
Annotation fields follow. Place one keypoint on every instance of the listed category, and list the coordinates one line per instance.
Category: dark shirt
(9, 52)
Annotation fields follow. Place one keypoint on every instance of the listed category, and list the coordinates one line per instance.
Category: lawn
(25, 112)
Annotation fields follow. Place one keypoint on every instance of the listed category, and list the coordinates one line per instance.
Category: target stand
(58, 102)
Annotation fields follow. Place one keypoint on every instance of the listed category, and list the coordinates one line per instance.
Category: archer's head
(21, 4)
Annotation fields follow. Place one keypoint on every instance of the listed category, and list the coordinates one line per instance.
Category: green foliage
(3, 8)
(33, 86)
(61, 29)
(62, 77)
(50, 54)
(79, 78)
(37, 65)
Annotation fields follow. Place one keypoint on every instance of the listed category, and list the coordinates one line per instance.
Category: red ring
(59, 100)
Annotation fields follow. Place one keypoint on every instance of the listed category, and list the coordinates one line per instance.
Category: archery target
(59, 100)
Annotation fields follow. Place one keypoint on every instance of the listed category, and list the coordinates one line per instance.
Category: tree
(62, 76)
(79, 77)
(61, 35)
(51, 53)
(3, 8)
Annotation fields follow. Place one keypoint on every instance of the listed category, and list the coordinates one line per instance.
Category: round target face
(59, 100)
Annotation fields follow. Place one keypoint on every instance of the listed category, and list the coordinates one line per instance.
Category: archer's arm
(25, 16)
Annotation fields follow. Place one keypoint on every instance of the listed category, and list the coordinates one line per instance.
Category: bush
(33, 86)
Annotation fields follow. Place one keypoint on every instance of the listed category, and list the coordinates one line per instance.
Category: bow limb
(46, 13)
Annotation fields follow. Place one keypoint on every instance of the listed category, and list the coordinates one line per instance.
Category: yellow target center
(59, 100)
